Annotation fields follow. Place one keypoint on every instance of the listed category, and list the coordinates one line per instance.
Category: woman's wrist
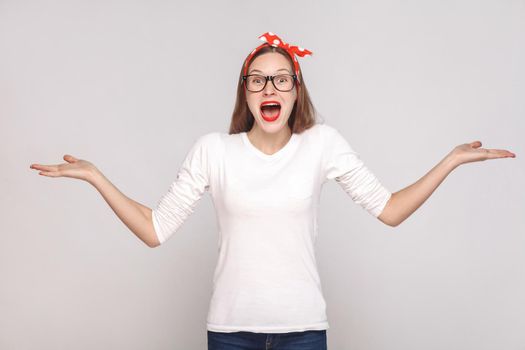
(94, 176)
(451, 160)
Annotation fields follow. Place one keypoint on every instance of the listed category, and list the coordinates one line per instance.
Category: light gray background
(130, 85)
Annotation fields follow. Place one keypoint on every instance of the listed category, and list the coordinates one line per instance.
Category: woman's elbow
(388, 216)
(387, 221)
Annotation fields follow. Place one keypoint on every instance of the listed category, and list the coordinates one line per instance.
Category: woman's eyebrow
(256, 70)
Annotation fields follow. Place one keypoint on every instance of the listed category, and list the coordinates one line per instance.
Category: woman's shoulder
(216, 141)
(327, 137)
(218, 138)
(320, 130)
(209, 141)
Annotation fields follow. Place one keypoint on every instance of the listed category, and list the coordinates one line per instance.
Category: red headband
(270, 39)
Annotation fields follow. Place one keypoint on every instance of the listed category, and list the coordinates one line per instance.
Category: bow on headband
(270, 39)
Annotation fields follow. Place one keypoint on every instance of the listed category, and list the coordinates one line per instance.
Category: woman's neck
(269, 143)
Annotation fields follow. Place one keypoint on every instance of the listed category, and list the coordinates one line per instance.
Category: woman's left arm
(406, 201)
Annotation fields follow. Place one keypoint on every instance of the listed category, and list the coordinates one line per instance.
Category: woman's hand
(404, 202)
(74, 168)
(471, 152)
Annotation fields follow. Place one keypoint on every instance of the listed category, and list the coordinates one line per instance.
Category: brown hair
(303, 113)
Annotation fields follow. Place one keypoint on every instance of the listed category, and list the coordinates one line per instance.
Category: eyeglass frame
(269, 77)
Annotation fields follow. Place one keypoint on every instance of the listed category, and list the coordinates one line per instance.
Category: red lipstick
(271, 110)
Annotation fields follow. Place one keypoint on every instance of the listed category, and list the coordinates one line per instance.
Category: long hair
(303, 113)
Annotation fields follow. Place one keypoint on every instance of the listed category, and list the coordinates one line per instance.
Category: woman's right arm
(137, 217)
(134, 215)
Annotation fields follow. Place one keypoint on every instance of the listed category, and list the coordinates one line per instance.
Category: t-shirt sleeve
(342, 163)
(193, 179)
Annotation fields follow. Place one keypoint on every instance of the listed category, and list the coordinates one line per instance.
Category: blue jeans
(307, 340)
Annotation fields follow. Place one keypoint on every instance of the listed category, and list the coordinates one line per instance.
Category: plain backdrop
(130, 85)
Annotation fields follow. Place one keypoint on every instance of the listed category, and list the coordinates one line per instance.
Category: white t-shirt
(266, 278)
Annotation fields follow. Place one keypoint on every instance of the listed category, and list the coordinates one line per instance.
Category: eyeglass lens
(282, 82)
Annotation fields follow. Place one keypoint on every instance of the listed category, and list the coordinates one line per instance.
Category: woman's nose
(269, 89)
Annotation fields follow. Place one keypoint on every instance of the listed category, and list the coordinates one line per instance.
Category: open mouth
(270, 110)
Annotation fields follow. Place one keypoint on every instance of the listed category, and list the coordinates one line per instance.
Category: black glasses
(282, 82)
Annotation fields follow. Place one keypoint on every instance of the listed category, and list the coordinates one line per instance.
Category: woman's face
(270, 64)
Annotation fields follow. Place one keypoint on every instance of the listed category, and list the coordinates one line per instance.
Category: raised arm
(137, 217)
(406, 201)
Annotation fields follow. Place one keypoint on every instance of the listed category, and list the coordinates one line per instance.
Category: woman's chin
(271, 126)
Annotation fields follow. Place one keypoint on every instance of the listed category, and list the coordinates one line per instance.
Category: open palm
(472, 152)
(74, 168)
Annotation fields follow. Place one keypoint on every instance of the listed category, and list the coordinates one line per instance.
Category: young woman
(265, 178)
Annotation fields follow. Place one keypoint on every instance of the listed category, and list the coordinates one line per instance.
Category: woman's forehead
(269, 63)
